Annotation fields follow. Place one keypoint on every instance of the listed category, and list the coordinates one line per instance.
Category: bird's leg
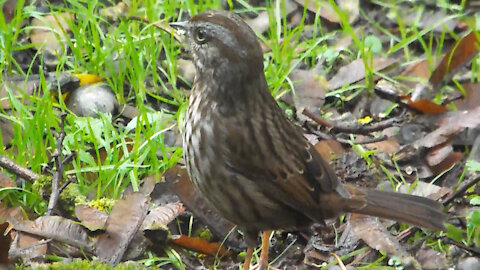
(248, 258)
(263, 265)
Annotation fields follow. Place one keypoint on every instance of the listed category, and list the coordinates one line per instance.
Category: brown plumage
(249, 161)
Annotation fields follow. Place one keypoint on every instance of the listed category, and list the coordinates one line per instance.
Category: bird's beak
(182, 26)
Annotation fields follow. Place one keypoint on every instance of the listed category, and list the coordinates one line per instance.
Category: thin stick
(58, 174)
(460, 191)
(18, 170)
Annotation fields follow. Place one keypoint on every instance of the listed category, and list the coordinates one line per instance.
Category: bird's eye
(200, 35)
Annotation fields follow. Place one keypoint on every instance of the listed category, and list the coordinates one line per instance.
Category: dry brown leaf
(329, 149)
(438, 153)
(388, 146)
(179, 183)
(27, 247)
(451, 124)
(370, 230)
(160, 216)
(459, 55)
(424, 105)
(261, 23)
(13, 214)
(123, 223)
(92, 218)
(326, 11)
(5, 241)
(308, 91)
(49, 31)
(424, 189)
(355, 71)
(431, 259)
(199, 245)
(8, 9)
(56, 228)
(6, 181)
(472, 98)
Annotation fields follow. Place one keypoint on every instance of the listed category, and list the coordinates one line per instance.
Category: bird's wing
(285, 164)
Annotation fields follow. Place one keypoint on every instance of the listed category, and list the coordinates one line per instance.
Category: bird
(249, 161)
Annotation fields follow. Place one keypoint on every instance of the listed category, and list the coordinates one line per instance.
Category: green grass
(143, 57)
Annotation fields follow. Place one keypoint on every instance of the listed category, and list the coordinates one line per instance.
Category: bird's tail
(415, 210)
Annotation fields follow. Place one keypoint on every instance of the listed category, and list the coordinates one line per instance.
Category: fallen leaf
(261, 23)
(124, 221)
(5, 241)
(452, 123)
(308, 92)
(355, 71)
(438, 153)
(388, 146)
(424, 105)
(329, 149)
(326, 11)
(180, 184)
(472, 98)
(6, 181)
(28, 248)
(372, 232)
(162, 215)
(92, 218)
(461, 53)
(49, 34)
(431, 259)
(57, 228)
(199, 245)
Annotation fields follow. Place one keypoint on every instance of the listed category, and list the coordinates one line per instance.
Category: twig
(474, 251)
(18, 170)
(317, 119)
(69, 158)
(70, 179)
(460, 191)
(356, 129)
(325, 136)
(57, 175)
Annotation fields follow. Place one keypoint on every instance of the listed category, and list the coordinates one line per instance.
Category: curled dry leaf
(57, 228)
(160, 216)
(200, 245)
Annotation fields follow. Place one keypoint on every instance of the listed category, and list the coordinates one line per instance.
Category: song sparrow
(254, 166)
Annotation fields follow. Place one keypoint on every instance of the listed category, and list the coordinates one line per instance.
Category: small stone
(470, 263)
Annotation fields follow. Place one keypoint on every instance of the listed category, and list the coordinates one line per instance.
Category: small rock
(470, 263)
(89, 100)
